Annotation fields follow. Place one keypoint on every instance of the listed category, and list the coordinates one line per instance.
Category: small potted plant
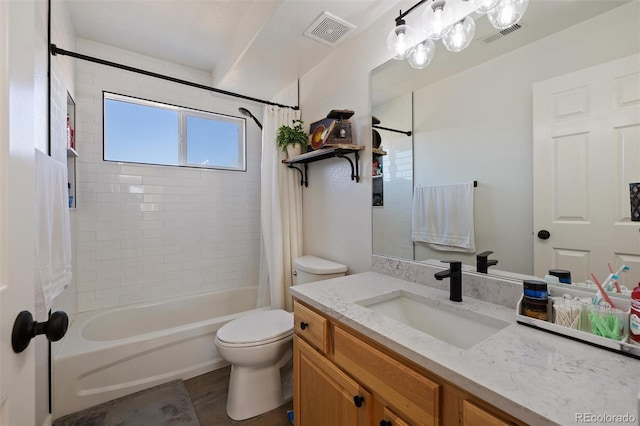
(292, 140)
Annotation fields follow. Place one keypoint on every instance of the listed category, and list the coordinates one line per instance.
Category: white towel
(53, 231)
(442, 216)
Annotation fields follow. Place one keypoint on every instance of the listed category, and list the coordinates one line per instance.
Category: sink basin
(452, 324)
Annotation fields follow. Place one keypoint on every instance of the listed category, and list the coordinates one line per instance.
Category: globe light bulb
(438, 20)
(507, 13)
(460, 35)
(486, 5)
(401, 40)
(422, 54)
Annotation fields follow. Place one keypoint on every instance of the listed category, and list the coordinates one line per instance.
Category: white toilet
(259, 348)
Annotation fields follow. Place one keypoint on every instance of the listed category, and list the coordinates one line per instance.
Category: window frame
(183, 114)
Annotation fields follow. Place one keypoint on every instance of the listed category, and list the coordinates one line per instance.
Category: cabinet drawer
(311, 326)
(474, 415)
(407, 392)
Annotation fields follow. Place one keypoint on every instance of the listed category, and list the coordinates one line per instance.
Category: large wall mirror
(471, 117)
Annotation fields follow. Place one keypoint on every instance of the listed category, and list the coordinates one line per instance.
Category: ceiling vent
(501, 34)
(329, 29)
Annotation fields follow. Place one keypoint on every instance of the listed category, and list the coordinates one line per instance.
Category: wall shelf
(339, 151)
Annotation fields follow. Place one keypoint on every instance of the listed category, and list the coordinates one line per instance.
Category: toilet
(259, 348)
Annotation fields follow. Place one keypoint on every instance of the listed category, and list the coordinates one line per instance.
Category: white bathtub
(111, 353)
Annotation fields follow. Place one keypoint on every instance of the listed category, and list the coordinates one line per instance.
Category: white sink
(452, 324)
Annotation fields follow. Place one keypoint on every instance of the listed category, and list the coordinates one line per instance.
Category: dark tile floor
(208, 394)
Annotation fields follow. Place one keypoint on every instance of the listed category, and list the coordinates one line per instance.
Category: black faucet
(483, 262)
(454, 273)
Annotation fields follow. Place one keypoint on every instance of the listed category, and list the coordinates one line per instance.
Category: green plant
(291, 136)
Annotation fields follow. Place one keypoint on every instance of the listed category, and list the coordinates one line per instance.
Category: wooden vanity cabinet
(343, 378)
(324, 395)
(473, 415)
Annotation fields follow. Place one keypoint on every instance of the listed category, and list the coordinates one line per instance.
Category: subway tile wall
(145, 232)
(392, 222)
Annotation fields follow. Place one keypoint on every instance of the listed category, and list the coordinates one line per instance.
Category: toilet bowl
(259, 348)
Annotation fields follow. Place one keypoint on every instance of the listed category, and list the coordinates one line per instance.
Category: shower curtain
(280, 214)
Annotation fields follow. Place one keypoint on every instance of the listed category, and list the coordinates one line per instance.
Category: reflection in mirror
(391, 217)
(473, 121)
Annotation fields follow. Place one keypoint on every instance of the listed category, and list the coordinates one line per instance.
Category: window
(141, 131)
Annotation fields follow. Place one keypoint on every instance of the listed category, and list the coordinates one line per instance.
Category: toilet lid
(257, 327)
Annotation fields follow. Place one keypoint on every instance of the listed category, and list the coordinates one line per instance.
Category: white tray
(582, 336)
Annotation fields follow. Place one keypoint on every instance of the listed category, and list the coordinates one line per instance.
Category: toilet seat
(257, 329)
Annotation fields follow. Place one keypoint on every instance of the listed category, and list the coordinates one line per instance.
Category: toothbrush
(616, 276)
(608, 283)
(601, 293)
(616, 281)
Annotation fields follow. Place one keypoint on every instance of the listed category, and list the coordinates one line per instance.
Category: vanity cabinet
(343, 378)
(474, 415)
(325, 395)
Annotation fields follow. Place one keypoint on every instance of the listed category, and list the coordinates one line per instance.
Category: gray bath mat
(167, 405)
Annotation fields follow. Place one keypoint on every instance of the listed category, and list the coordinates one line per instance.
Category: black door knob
(544, 234)
(385, 423)
(303, 325)
(25, 329)
(358, 400)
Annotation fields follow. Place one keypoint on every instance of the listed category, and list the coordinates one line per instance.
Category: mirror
(471, 117)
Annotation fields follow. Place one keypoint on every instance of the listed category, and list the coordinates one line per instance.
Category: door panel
(17, 41)
(586, 151)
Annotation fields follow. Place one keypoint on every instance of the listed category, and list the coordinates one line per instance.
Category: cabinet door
(323, 394)
(384, 416)
(412, 395)
(473, 415)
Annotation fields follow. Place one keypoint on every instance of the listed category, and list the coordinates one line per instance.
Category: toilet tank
(307, 269)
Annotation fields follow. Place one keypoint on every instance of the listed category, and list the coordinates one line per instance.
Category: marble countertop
(535, 376)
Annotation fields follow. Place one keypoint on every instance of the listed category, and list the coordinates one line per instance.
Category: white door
(586, 151)
(17, 41)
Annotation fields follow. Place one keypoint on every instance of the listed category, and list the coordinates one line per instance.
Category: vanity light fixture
(450, 21)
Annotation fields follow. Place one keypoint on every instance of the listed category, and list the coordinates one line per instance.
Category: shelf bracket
(355, 175)
(303, 174)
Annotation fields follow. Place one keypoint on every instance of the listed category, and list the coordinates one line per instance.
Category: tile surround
(145, 232)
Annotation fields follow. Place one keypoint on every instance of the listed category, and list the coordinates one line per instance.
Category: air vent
(501, 34)
(329, 29)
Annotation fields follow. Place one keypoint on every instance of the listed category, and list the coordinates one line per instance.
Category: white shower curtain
(280, 214)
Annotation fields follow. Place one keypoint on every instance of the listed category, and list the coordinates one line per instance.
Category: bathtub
(107, 354)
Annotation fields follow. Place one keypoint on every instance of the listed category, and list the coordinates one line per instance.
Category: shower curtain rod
(408, 132)
(55, 50)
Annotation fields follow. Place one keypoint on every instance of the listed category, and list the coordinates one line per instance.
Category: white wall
(484, 132)
(62, 82)
(336, 210)
(149, 232)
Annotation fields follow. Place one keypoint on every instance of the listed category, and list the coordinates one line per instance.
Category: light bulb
(422, 54)
(507, 13)
(401, 40)
(486, 5)
(438, 20)
(460, 35)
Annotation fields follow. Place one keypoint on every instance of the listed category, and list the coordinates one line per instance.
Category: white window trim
(183, 113)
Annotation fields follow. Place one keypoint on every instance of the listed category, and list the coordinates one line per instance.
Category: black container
(634, 198)
(563, 276)
(535, 303)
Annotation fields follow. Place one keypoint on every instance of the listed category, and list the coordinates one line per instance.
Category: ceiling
(255, 48)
